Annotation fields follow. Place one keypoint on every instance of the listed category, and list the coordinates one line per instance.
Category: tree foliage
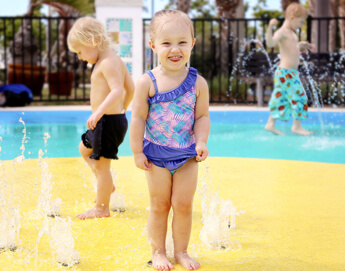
(205, 9)
(199, 8)
(261, 11)
(84, 6)
(11, 26)
(202, 9)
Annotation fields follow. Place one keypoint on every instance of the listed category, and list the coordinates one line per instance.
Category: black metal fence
(230, 54)
(34, 52)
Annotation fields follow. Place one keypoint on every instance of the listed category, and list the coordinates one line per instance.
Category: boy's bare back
(110, 74)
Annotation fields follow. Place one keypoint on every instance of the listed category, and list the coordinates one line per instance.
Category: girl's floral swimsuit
(288, 97)
(169, 139)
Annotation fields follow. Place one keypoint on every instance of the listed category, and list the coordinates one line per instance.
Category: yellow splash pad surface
(291, 215)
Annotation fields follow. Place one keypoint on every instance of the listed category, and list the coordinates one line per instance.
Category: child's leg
(298, 129)
(300, 110)
(276, 102)
(104, 190)
(270, 126)
(184, 185)
(85, 153)
(159, 183)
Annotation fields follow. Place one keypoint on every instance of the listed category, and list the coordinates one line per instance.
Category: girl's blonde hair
(166, 15)
(89, 32)
(297, 10)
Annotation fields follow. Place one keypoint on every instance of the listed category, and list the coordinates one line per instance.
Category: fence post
(259, 92)
(322, 10)
(123, 23)
(309, 29)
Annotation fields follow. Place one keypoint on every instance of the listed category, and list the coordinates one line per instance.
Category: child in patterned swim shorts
(288, 97)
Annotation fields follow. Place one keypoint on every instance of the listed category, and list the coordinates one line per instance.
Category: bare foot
(273, 129)
(301, 131)
(187, 262)
(161, 262)
(95, 212)
(111, 192)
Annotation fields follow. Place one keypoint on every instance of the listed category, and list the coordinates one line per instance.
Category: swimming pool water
(233, 134)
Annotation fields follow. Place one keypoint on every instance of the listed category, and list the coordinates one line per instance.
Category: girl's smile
(175, 58)
(173, 44)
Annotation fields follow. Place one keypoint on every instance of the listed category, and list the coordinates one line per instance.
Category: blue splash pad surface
(233, 134)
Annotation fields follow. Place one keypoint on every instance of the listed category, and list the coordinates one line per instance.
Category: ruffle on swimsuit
(152, 151)
(170, 95)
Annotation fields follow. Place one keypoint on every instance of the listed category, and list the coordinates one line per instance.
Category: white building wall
(128, 44)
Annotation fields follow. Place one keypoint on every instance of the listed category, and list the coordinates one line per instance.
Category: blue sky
(19, 7)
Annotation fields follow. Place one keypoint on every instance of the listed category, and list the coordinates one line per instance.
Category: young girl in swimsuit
(171, 103)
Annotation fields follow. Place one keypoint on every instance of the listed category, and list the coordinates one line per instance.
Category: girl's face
(173, 44)
(85, 53)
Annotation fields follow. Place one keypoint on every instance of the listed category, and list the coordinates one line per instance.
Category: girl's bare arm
(202, 120)
(140, 110)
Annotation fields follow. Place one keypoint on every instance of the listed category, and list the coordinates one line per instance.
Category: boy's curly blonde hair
(297, 10)
(89, 32)
(166, 15)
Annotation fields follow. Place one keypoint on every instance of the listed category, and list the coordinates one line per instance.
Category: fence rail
(230, 54)
(35, 53)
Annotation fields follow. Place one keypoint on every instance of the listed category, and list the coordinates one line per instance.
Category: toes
(195, 266)
(165, 267)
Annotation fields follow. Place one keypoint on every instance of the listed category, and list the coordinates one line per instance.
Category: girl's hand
(141, 161)
(92, 121)
(202, 152)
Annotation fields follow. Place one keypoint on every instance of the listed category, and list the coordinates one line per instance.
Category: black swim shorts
(107, 136)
